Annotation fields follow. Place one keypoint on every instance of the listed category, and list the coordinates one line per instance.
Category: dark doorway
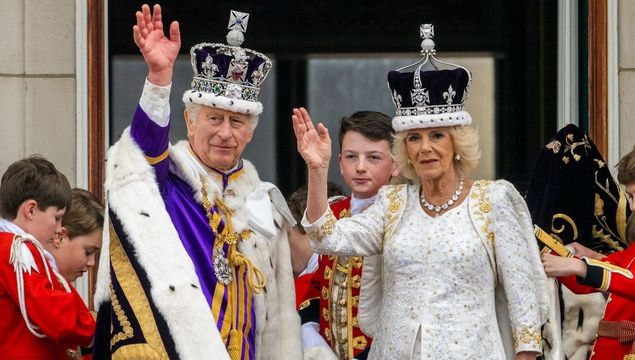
(522, 36)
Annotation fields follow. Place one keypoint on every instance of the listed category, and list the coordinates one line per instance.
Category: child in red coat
(590, 272)
(41, 314)
(76, 245)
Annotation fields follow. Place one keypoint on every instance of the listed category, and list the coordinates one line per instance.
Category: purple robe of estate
(191, 222)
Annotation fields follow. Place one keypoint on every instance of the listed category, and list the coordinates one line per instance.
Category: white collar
(8, 226)
(359, 205)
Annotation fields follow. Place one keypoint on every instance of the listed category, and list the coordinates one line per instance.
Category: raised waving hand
(159, 51)
(313, 143)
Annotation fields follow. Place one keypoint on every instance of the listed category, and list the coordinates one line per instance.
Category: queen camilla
(462, 277)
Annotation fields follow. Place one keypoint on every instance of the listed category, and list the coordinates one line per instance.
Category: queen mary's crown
(430, 92)
(228, 76)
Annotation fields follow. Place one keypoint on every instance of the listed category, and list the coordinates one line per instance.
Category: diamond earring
(457, 157)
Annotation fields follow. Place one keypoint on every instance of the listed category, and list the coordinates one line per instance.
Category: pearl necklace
(447, 204)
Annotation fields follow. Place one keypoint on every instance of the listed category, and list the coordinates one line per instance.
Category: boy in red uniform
(329, 307)
(41, 315)
(590, 272)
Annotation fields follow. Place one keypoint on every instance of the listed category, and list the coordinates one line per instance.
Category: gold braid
(256, 279)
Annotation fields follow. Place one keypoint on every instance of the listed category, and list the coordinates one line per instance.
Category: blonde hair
(465, 144)
(193, 109)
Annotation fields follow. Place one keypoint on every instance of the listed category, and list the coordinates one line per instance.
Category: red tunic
(62, 317)
(621, 302)
(319, 287)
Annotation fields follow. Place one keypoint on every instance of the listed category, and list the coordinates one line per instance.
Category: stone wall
(37, 82)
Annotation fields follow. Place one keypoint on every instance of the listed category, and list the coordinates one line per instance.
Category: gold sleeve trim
(325, 229)
(606, 280)
(157, 159)
(610, 267)
(528, 335)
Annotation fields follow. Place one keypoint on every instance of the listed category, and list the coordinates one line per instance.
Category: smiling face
(365, 165)
(431, 152)
(218, 137)
(74, 256)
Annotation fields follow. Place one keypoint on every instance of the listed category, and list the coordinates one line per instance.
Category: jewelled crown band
(429, 98)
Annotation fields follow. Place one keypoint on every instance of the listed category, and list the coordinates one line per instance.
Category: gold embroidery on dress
(394, 204)
(485, 207)
(325, 229)
(527, 335)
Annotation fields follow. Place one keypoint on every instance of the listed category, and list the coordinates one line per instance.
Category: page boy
(366, 164)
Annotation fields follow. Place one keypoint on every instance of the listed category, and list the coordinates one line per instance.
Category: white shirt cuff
(312, 265)
(155, 102)
(311, 335)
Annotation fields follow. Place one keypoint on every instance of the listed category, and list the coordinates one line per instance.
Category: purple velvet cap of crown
(434, 98)
(228, 77)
